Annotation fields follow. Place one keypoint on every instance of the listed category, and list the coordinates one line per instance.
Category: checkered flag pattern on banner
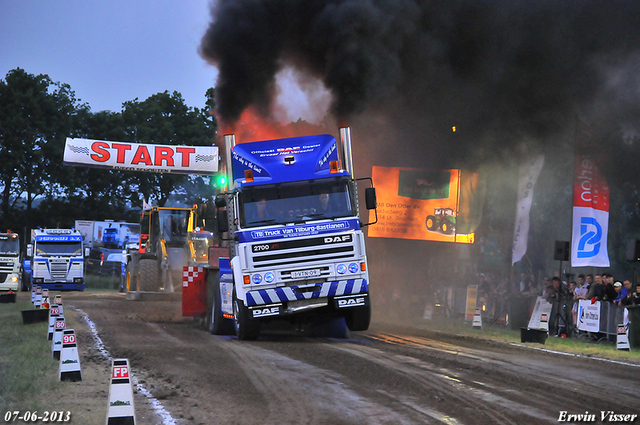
(191, 273)
(79, 149)
(204, 158)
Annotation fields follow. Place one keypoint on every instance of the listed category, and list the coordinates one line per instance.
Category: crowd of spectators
(495, 294)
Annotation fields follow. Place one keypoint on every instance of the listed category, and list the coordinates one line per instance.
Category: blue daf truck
(293, 243)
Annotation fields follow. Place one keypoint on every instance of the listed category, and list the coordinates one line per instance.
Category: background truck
(56, 259)
(296, 250)
(110, 238)
(10, 262)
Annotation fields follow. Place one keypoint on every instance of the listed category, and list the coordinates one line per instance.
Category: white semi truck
(56, 259)
(10, 265)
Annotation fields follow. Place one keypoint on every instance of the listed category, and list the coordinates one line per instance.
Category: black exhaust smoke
(511, 67)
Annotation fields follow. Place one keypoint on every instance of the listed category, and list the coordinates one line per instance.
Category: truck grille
(59, 271)
(3, 277)
(4, 265)
(300, 252)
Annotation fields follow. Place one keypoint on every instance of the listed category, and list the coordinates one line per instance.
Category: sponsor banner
(141, 156)
(589, 316)
(541, 308)
(417, 204)
(284, 232)
(590, 215)
(528, 176)
(589, 236)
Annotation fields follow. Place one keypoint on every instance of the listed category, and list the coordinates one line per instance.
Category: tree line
(37, 114)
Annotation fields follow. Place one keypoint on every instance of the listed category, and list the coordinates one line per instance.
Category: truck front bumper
(294, 299)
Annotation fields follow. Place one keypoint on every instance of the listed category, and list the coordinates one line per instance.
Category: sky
(114, 51)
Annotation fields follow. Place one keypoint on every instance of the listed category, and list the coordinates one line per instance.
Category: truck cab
(296, 246)
(10, 265)
(56, 259)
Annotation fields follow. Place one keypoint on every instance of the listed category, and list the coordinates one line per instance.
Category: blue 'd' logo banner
(284, 232)
(590, 237)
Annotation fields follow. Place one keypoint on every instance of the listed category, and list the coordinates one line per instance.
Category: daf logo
(337, 239)
(269, 311)
(351, 302)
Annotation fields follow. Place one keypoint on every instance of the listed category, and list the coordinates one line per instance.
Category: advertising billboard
(430, 205)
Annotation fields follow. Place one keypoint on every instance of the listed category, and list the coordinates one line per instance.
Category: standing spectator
(624, 293)
(589, 280)
(610, 292)
(596, 290)
(581, 289)
(555, 295)
(635, 297)
(579, 294)
(524, 282)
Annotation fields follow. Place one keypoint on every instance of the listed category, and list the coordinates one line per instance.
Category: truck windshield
(296, 202)
(59, 248)
(9, 246)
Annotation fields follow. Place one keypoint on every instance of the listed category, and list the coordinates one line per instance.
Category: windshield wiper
(269, 220)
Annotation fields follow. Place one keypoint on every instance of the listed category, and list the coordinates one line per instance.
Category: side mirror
(29, 250)
(370, 198)
(87, 251)
(221, 202)
(223, 221)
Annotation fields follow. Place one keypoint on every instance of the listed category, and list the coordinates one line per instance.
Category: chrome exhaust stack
(345, 147)
(229, 143)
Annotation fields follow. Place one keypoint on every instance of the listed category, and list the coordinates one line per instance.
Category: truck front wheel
(358, 319)
(246, 329)
(218, 324)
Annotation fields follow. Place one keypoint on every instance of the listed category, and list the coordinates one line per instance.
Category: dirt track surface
(382, 376)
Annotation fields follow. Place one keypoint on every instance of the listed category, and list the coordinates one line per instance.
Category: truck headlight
(14, 278)
(341, 269)
(353, 268)
(269, 277)
(257, 278)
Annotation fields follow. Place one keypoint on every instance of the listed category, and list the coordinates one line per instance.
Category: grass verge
(29, 374)
(27, 369)
(582, 345)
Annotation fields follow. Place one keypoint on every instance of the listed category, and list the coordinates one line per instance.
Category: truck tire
(217, 324)
(432, 223)
(246, 329)
(149, 275)
(358, 319)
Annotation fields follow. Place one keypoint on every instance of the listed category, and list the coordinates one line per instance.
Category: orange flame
(251, 126)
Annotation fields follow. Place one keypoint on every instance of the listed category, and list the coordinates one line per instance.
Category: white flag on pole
(529, 173)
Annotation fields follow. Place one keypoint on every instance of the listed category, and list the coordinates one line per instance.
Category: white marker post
(622, 343)
(38, 300)
(69, 360)
(120, 410)
(56, 346)
(477, 319)
(54, 312)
